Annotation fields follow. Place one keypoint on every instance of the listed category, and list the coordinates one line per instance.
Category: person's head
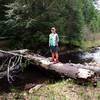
(53, 29)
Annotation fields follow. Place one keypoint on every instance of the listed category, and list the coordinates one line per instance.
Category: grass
(90, 43)
(85, 45)
(60, 90)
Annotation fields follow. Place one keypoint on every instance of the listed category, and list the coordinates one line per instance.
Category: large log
(15, 52)
(69, 70)
(62, 69)
(92, 68)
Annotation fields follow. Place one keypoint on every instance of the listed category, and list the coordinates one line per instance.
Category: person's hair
(53, 28)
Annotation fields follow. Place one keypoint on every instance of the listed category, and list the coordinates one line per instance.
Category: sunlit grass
(66, 90)
(90, 43)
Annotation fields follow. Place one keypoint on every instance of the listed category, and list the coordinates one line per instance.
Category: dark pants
(54, 49)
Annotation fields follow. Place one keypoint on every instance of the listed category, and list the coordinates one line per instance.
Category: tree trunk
(70, 70)
(62, 69)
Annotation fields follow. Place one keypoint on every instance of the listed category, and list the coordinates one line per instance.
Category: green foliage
(95, 23)
(28, 21)
(75, 21)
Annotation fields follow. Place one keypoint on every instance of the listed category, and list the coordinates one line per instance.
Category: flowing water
(82, 56)
(93, 55)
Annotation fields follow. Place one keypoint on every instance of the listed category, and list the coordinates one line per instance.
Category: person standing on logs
(53, 44)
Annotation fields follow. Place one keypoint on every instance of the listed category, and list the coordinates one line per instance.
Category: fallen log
(92, 68)
(60, 68)
(15, 52)
(68, 70)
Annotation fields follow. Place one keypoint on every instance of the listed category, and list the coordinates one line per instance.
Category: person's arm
(57, 38)
(49, 40)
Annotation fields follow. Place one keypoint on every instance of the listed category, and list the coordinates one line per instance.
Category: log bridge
(14, 58)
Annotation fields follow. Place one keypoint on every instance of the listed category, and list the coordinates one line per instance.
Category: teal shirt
(53, 39)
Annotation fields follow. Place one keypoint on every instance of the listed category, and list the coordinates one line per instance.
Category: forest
(25, 26)
(26, 22)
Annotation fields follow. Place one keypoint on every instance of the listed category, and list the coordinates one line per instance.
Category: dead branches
(11, 64)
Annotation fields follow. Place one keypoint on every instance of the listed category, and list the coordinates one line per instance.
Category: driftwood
(70, 70)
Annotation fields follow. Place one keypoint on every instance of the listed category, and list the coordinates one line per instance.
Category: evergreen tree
(29, 21)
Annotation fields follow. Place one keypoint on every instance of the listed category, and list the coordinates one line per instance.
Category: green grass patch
(90, 43)
(59, 90)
